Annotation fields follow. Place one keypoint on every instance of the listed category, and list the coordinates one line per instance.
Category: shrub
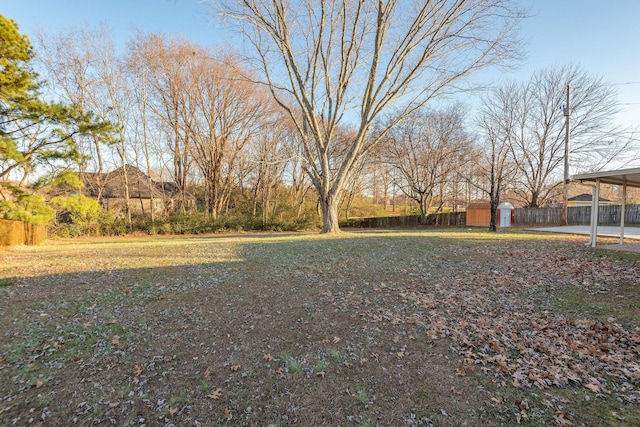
(79, 215)
(29, 208)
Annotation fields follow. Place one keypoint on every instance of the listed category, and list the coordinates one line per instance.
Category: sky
(603, 36)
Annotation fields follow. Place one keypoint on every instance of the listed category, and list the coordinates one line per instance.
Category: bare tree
(498, 120)
(297, 178)
(85, 65)
(112, 100)
(270, 158)
(139, 76)
(69, 62)
(224, 114)
(333, 62)
(164, 64)
(537, 143)
(426, 149)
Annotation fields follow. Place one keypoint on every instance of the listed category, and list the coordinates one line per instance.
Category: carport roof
(630, 177)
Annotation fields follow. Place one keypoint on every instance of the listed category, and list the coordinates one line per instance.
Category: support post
(595, 204)
(623, 208)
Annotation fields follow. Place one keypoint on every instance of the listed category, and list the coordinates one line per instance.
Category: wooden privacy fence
(577, 215)
(442, 219)
(20, 233)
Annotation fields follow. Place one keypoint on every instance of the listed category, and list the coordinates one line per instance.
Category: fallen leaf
(336, 340)
(596, 386)
(280, 371)
(216, 394)
(593, 387)
(267, 357)
(115, 340)
(39, 384)
(138, 370)
(348, 364)
(562, 419)
(227, 413)
(615, 415)
(207, 372)
(320, 374)
(235, 368)
(172, 411)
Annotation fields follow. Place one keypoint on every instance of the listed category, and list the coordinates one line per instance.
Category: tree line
(337, 108)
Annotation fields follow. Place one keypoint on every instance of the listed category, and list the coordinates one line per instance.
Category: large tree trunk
(494, 199)
(425, 203)
(494, 211)
(329, 206)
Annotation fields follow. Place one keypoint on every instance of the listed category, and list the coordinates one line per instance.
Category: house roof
(586, 197)
(630, 177)
(113, 184)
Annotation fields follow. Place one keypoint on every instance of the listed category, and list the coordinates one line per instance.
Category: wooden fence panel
(14, 233)
(11, 232)
(34, 234)
(410, 221)
(577, 215)
(449, 219)
(537, 216)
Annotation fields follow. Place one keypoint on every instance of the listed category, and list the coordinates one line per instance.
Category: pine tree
(34, 131)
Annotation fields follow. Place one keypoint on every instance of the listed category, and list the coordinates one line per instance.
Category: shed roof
(479, 205)
(630, 177)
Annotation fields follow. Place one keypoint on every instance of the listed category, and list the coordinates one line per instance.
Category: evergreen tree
(33, 131)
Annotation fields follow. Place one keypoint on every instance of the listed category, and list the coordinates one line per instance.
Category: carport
(625, 178)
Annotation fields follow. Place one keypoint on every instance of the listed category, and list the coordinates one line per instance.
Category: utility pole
(565, 188)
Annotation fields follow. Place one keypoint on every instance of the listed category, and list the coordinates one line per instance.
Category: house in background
(144, 194)
(585, 199)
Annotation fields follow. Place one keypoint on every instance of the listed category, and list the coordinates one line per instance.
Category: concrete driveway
(603, 231)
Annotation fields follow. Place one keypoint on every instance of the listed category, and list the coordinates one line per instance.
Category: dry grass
(375, 328)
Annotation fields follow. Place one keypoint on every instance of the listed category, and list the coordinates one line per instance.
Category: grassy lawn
(367, 328)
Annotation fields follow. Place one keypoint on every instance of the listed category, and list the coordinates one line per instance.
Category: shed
(506, 215)
(479, 214)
